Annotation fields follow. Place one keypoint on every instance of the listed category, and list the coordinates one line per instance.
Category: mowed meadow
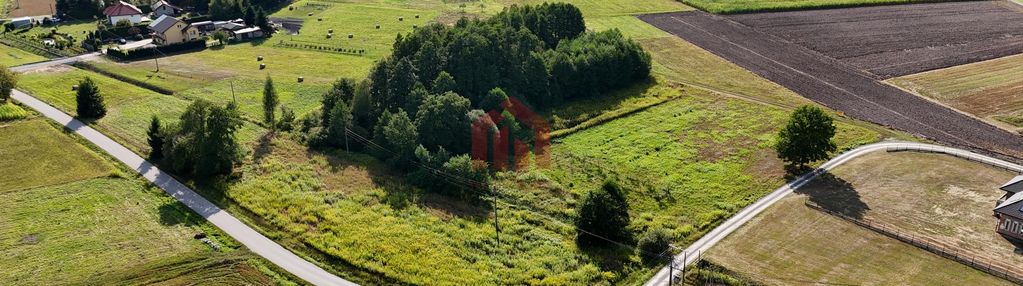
(72, 217)
(692, 145)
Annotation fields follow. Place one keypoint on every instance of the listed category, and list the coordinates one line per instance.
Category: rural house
(122, 11)
(1009, 209)
(170, 30)
(204, 26)
(22, 22)
(162, 8)
(247, 33)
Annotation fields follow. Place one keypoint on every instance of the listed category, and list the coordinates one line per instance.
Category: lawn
(989, 89)
(942, 198)
(31, 148)
(70, 218)
(11, 56)
(129, 107)
(791, 243)
(751, 6)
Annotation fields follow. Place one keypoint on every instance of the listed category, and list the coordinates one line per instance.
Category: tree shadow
(835, 194)
(174, 213)
(609, 257)
(264, 146)
(793, 172)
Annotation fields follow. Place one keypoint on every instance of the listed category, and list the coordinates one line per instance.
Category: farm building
(170, 30)
(1009, 209)
(161, 8)
(204, 26)
(122, 11)
(247, 34)
(22, 22)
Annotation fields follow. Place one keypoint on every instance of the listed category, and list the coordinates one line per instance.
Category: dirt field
(945, 199)
(835, 84)
(991, 89)
(21, 8)
(891, 41)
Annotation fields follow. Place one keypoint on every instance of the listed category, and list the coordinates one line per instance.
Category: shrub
(203, 143)
(654, 243)
(603, 216)
(9, 111)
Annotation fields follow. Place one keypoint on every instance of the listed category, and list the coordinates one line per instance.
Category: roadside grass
(943, 198)
(791, 242)
(129, 107)
(989, 89)
(10, 111)
(31, 149)
(11, 56)
(751, 6)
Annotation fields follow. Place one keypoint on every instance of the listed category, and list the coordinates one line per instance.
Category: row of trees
(251, 11)
(202, 144)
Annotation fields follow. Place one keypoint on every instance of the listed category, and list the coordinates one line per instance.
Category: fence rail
(1005, 271)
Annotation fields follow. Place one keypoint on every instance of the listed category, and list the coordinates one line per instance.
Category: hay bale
(330, 31)
(350, 36)
(291, 8)
(401, 19)
(378, 26)
(417, 16)
(310, 14)
(319, 19)
(414, 26)
(74, 87)
(301, 79)
(262, 66)
(329, 35)
(259, 58)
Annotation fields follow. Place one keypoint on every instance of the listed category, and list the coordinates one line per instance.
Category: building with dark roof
(1009, 209)
(162, 8)
(170, 30)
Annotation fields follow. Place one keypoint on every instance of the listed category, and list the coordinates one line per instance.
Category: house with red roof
(122, 11)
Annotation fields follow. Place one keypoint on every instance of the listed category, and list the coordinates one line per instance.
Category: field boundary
(90, 67)
(815, 7)
(597, 121)
(994, 268)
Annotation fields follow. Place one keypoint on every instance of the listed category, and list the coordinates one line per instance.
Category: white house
(161, 8)
(121, 11)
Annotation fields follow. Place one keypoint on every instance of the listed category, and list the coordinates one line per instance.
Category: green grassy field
(10, 56)
(749, 6)
(129, 107)
(30, 151)
(989, 89)
(69, 219)
(791, 242)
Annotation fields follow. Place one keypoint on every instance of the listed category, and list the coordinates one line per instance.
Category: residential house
(1009, 209)
(122, 11)
(246, 34)
(162, 8)
(204, 26)
(170, 30)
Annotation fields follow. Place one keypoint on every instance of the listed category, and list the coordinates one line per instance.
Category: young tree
(362, 105)
(340, 122)
(287, 121)
(221, 37)
(155, 139)
(270, 101)
(90, 102)
(343, 90)
(493, 100)
(653, 243)
(603, 215)
(8, 80)
(397, 133)
(203, 144)
(807, 137)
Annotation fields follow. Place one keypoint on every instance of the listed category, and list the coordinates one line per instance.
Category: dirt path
(833, 83)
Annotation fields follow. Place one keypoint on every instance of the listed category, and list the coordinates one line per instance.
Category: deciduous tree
(8, 80)
(603, 215)
(806, 137)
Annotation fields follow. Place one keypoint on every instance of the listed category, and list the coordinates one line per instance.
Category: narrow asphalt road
(691, 253)
(247, 236)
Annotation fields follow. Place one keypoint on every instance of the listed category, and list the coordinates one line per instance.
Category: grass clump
(10, 111)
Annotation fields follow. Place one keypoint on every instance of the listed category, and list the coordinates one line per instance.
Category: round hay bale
(74, 87)
(310, 14)
(414, 26)
(301, 79)
(351, 36)
(378, 26)
(262, 66)
(319, 19)
(329, 35)
(401, 19)
(330, 31)
(291, 8)
(259, 58)
(417, 16)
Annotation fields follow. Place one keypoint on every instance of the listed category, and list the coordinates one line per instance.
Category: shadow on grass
(835, 194)
(264, 146)
(609, 256)
(174, 213)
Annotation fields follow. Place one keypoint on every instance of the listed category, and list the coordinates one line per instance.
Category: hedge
(156, 51)
(90, 67)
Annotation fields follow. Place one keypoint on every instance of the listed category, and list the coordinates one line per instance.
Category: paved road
(690, 254)
(833, 83)
(253, 240)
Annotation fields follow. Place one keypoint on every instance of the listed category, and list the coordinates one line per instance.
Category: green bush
(9, 111)
(654, 244)
(603, 217)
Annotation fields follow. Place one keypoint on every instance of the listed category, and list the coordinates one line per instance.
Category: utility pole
(233, 98)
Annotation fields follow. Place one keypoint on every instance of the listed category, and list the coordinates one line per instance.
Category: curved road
(743, 216)
(247, 236)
